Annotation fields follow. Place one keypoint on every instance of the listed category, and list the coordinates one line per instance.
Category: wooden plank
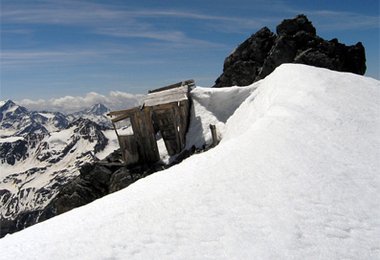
(165, 120)
(189, 83)
(122, 112)
(184, 119)
(129, 148)
(214, 135)
(147, 145)
(167, 96)
(153, 152)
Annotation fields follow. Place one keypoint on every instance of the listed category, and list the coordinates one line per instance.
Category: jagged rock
(11, 152)
(120, 179)
(91, 184)
(296, 42)
(247, 59)
(293, 26)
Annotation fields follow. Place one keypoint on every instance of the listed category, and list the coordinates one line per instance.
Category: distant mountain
(97, 113)
(41, 151)
(98, 109)
(16, 120)
(52, 121)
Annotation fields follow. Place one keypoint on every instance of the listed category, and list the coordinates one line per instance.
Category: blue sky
(51, 49)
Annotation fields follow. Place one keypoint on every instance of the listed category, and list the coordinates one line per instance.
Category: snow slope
(295, 177)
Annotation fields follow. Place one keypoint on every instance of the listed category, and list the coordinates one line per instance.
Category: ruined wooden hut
(165, 111)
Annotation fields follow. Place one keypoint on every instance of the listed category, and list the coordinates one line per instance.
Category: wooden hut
(165, 110)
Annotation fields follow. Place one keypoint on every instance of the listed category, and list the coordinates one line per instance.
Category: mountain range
(40, 151)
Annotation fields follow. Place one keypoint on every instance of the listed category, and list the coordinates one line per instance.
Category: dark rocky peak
(11, 107)
(32, 128)
(56, 119)
(8, 103)
(261, 41)
(11, 112)
(298, 24)
(98, 109)
(296, 42)
(60, 120)
(83, 122)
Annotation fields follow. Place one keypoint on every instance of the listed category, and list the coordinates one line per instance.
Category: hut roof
(167, 96)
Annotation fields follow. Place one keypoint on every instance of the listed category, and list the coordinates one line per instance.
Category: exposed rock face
(11, 152)
(296, 42)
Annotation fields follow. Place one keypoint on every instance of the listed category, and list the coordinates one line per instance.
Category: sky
(58, 48)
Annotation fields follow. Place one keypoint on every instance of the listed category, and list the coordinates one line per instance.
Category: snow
(47, 115)
(164, 155)
(213, 106)
(11, 139)
(112, 145)
(58, 140)
(11, 109)
(294, 177)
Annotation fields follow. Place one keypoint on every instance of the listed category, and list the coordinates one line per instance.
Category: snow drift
(295, 176)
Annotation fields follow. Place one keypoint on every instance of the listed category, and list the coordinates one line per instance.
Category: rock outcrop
(296, 41)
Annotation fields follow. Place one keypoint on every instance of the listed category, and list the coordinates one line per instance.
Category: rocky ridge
(296, 41)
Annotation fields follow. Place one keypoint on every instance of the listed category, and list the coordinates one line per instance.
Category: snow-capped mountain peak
(10, 108)
(7, 103)
(97, 113)
(13, 119)
(98, 109)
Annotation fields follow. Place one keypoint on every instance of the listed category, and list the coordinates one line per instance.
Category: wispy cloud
(86, 13)
(334, 20)
(64, 12)
(43, 57)
(168, 36)
(115, 100)
(24, 55)
(108, 20)
(139, 23)
(90, 41)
